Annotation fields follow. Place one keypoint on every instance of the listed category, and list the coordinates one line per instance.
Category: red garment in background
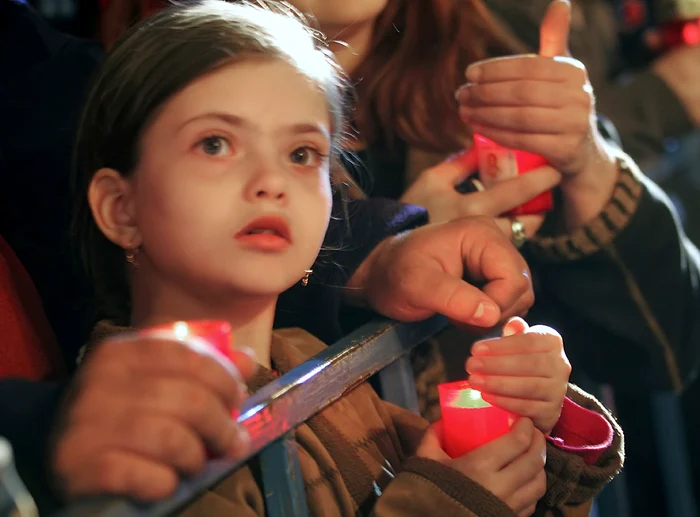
(28, 348)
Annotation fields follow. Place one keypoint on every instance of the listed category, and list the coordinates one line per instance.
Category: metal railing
(271, 414)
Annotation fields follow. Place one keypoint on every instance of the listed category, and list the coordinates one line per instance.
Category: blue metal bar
(398, 385)
(286, 403)
(283, 484)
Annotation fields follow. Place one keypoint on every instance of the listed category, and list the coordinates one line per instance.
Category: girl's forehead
(267, 90)
(252, 85)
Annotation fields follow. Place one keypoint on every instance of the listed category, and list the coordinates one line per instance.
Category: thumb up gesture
(541, 103)
(554, 30)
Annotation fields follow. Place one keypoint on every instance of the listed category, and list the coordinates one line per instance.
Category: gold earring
(130, 255)
(305, 278)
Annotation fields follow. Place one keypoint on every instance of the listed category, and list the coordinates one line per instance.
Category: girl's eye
(307, 157)
(215, 146)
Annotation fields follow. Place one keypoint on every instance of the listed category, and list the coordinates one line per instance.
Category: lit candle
(468, 421)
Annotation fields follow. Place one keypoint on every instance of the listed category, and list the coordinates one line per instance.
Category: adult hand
(510, 467)
(525, 372)
(414, 275)
(544, 104)
(142, 411)
(435, 191)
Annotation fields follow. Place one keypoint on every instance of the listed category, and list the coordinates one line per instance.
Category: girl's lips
(269, 233)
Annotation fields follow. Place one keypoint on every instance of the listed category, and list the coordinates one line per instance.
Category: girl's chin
(264, 287)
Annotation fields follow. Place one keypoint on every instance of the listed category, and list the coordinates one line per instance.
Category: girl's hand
(525, 372)
(435, 191)
(510, 467)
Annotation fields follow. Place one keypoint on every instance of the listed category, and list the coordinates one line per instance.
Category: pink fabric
(582, 432)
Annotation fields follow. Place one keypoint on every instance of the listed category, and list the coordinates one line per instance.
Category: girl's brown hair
(152, 62)
(416, 60)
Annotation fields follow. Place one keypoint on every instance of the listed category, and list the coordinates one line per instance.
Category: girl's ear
(111, 200)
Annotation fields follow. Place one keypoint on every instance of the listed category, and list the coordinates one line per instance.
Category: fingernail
(462, 93)
(485, 311)
(476, 380)
(456, 156)
(474, 364)
(509, 329)
(480, 348)
(474, 73)
(543, 454)
(478, 185)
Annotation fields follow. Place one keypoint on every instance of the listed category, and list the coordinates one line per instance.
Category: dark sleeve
(624, 290)
(645, 112)
(27, 410)
(354, 231)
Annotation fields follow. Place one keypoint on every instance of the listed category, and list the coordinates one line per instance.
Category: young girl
(204, 161)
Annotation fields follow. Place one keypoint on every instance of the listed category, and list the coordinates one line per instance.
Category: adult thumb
(554, 29)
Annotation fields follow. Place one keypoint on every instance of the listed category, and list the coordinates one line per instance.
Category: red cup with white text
(497, 163)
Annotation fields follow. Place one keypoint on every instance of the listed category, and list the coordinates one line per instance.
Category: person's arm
(236, 496)
(353, 233)
(624, 290)
(27, 410)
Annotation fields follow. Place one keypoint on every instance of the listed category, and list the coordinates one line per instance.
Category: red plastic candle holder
(468, 421)
(212, 333)
(498, 163)
(199, 333)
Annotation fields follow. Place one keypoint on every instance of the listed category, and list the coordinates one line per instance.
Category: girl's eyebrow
(236, 121)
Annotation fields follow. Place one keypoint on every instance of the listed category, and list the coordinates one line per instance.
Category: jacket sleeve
(238, 495)
(355, 229)
(624, 290)
(426, 487)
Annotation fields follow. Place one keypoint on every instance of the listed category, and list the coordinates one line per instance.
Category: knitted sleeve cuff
(582, 432)
(602, 230)
(570, 479)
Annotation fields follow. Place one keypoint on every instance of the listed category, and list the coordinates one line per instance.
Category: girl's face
(338, 14)
(232, 191)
